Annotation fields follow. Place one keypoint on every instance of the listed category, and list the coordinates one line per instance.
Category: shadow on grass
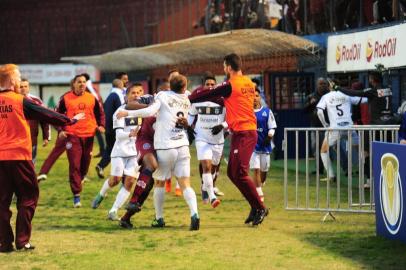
(373, 252)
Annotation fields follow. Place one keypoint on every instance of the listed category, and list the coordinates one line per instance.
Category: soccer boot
(158, 223)
(97, 201)
(194, 223)
(126, 224)
(218, 192)
(215, 202)
(6, 248)
(250, 217)
(41, 177)
(76, 202)
(259, 216)
(113, 216)
(133, 207)
(99, 171)
(26, 247)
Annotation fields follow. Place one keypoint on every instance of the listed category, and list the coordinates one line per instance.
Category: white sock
(260, 192)
(121, 197)
(208, 183)
(327, 164)
(177, 185)
(105, 188)
(190, 198)
(159, 198)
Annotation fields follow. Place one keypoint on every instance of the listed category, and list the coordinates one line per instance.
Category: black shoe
(158, 223)
(99, 171)
(259, 216)
(126, 224)
(6, 248)
(250, 217)
(194, 223)
(133, 207)
(27, 247)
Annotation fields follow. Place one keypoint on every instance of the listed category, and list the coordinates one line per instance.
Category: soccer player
(123, 157)
(45, 127)
(17, 175)
(260, 159)
(338, 106)
(209, 124)
(172, 146)
(79, 141)
(238, 93)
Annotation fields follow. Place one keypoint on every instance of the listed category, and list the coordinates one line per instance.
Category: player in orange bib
(238, 93)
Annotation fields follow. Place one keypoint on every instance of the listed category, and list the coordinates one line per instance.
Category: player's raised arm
(222, 90)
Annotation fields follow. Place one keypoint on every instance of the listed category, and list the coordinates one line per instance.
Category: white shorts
(175, 160)
(260, 161)
(124, 166)
(333, 136)
(206, 151)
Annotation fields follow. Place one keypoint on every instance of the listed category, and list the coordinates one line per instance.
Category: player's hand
(216, 129)
(134, 132)
(45, 143)
(63, 135)
(183, 122)
(332, 84)
(190, 134)
(79, 116)
(402, 141)
(122, 114)
(101, 129)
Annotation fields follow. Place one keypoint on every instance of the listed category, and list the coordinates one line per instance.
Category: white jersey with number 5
(338, 107)
(169, 106)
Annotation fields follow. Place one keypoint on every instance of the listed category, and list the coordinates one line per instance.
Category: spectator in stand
(113, 101)
(46, 131)
(294, 23)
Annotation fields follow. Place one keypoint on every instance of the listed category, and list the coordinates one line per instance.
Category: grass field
(68, 238)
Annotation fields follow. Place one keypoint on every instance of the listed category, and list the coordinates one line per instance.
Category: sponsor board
(389, 189)
(363, 50)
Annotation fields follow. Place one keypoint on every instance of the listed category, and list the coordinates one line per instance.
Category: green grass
(68, 238)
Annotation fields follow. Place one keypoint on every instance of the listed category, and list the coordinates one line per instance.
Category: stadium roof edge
(248, 43)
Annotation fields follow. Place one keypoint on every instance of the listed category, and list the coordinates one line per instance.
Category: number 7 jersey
(338, 107)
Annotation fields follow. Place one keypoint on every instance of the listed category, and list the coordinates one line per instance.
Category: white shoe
(41, 177)
(77, 205)
(218, 192)
(367, 184)
(113, 216)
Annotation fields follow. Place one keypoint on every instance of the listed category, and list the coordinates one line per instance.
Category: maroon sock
(142, 182)
(147, 190)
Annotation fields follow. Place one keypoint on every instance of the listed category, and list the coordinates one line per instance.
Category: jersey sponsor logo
(146, 146)
(173, 103)
(5, 109)
(391, 193)
(68, 145)
(384, 92)
(142, 184)
(210, 110)
(81, 106)
(133, 121)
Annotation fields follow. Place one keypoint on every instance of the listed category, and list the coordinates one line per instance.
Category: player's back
(338, 107)
(167, 133)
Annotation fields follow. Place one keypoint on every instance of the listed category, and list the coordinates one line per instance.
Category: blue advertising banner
(389, 168)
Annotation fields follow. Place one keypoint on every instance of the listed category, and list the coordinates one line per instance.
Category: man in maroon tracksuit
(17, 175)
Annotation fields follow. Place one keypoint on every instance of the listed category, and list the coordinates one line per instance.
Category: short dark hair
(256, 81)
(24, 80)
(257, 90)
(120, 74)
(208, 76)
(134, 84)
(86, 75)
(376, 76)
(234, 61)
(177, 83)
(77, 76)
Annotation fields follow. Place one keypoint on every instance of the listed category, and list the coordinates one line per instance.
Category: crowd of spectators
(299, 16)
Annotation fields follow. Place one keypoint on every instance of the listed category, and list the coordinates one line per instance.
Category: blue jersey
(265, 122)
(402, 129)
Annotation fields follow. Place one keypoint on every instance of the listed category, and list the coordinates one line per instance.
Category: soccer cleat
(76, 202)
(205, 196)
(178, 192)
(250, 217)
(41, 177)
(113, 216)
(218, 192)
(194, 223)
(133, 207)
(168, 186)
(259, 216)
(26, 247)
(126, 224)
(99, 171)
(158, 223)
(215, 202)
(97, 201)
(6, 248)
